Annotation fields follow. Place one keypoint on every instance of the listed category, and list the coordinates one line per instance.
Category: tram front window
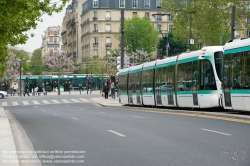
(218, 64)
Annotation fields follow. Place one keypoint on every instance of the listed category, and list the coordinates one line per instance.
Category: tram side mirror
(201, 57)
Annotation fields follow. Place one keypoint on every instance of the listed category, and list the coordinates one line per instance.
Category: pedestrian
(80, 86)
(26, 90)
(112, 90)
(106, 90)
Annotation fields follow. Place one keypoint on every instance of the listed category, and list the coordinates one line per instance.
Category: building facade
(90, 26)
(51, 41)
(101, 21)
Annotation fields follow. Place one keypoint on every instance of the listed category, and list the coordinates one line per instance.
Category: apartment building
(89, 26)
(101, 20)
(51, 41)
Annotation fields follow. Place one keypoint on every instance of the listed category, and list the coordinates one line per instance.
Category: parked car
(3, 94)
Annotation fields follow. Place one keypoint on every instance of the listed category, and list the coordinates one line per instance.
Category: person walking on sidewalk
(106, 90)
(113, 90)
(26, 90)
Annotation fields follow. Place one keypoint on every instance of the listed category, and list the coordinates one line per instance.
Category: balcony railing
(108, 44)
(95, 30)
(108, 30)
(95, 18)
(108, 18)
(95, 44)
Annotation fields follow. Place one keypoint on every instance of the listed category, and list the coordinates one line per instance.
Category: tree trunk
(58, 85)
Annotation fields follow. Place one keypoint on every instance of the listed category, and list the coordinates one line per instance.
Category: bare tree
(61, 64)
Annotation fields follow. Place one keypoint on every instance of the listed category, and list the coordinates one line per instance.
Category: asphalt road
(101, 136)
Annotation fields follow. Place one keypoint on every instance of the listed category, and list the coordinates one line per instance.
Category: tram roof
(237, 45)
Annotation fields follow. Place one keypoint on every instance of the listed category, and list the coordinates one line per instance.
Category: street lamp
(20, 74)
(190, 41)
(164, 37)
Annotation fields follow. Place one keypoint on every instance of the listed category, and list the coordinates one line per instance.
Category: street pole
(20, 70)
(190, 41)
(122, 38)
(190, 33)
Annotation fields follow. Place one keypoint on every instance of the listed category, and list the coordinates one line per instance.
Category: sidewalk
(7, 143)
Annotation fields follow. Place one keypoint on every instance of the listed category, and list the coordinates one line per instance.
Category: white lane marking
(35, 106)
(45, 102)
(14, 103)
(4, 103)
(84, 100)
(65, 101)
(54, 113)
(74, 118)
(43, 110)
(119, 134)
(35, 102)
(55, 101)
(25, 103)
(215, 131)
(102, 112)
(74, 100)
(138, 117)
(80, 109)
(67, 106)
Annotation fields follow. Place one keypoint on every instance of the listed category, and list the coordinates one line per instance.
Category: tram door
(158, 86)
(227, 97)
(195, 81)
(130, 95)
(170, 84)
(158, 96)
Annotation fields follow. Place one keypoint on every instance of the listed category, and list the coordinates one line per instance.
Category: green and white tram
(236, 73)
(187, 80)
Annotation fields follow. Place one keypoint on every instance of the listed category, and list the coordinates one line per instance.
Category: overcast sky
(36, 41)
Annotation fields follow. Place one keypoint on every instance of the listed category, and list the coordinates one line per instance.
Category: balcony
(95, 44)
(108, 18)
(108, 30)
(63, 33)
(108, 44)
(95, 18)
(95, 30)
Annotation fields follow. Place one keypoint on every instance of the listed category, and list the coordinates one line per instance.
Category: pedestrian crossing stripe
(25, 103)
(45, 102)
(35, 102)
(55, 101)
(65, 101)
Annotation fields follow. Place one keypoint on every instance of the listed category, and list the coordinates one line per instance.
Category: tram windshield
(218, 63)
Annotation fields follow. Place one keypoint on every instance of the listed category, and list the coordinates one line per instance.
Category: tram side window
(241, 73)
(218, 63)
(170, 78)
(195, 74)
(159, 79)
(181, 78)
(208, 75)
(238, 71)
(144, 80)
(188, 73)
(150, 80)
(134, 82)
(227, 71)
(137, 81)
